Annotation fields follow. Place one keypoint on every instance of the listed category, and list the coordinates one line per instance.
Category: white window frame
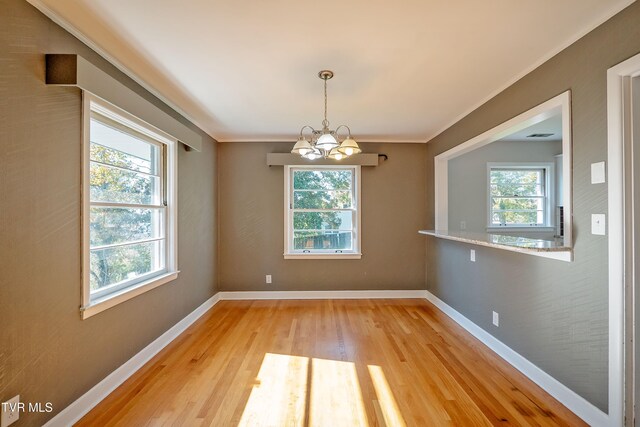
(289, 252)
(549, 199)
(130, 289)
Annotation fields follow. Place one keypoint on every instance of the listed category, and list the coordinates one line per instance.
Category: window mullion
(122, 168)
(127, 243)
(125, 205)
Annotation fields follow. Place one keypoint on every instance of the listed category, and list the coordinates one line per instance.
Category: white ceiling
(551, 125)
(246, 70)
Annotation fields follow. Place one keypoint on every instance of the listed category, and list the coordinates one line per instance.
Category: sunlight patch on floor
(282, 394)
(388, 405)
(336, 399)
(279, 397)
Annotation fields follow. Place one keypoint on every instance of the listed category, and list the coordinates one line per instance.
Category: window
(129, 206)
(322, 214)
(519, 195)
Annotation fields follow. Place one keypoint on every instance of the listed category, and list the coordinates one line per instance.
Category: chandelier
(324, 143)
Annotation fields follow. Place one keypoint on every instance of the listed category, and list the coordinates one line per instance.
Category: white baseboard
(269, 295)
(72, 413)
(577, 404)
(585, 410)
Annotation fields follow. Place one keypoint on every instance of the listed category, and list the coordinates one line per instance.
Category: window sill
(324, 256)
(531, 246)
(126, 294)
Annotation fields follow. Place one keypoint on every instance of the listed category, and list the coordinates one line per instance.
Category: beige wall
(252, 224)
(553, 313)
(47, 354)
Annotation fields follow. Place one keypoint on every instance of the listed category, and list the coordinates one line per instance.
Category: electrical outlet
(463, 225)
(472, 255)
(496, 319)
(598, 224)
(10, 411)
(267, 279)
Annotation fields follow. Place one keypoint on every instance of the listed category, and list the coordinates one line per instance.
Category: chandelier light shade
(302, 147)
(335, 154)
(325, 143)
(349, 146)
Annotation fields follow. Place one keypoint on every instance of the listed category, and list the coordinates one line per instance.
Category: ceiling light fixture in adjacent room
(324, 143)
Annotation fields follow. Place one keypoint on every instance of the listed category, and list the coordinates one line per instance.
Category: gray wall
(252, 224)
(468, 178)
(552, 312)
(47, 353)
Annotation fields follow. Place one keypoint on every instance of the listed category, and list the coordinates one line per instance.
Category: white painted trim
(550, 194)
(346, 255)
(91, 103)
(38, 4)
(577, 404)
(356, 252)
(539, 113)
(125, 294)
(308, 295)
(617, 108)
(86, 201)
(72, 413)
(531, 229)
(377, 140)
(75, 411)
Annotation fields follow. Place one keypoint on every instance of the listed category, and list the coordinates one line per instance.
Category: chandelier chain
(325, 122)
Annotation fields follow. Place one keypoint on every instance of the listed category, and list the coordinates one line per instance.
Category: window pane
(509, 204)
(338, 220)
(312, 199)
(516, 189)
(527, 182)
(517, 218)
(524, 176)
(111, 226)
(114, 265)
(327, 240)
(109, 184)
(322, 179)
(518, 196)
(113, 146)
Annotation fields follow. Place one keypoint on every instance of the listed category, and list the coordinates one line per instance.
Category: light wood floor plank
(328, 363)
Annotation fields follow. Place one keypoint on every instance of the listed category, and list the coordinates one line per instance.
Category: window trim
(169, 158)
(549, 199)
(356, 252)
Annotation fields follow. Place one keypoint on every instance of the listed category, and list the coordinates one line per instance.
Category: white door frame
(619, 140)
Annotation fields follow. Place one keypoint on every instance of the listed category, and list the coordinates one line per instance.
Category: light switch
(598, 224)
(598, 173)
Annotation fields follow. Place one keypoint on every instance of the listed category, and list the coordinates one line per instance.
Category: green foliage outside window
(315, 190)
(112, 225)
(517, 196)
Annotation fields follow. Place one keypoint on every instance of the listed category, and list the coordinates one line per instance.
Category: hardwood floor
(327, 363)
